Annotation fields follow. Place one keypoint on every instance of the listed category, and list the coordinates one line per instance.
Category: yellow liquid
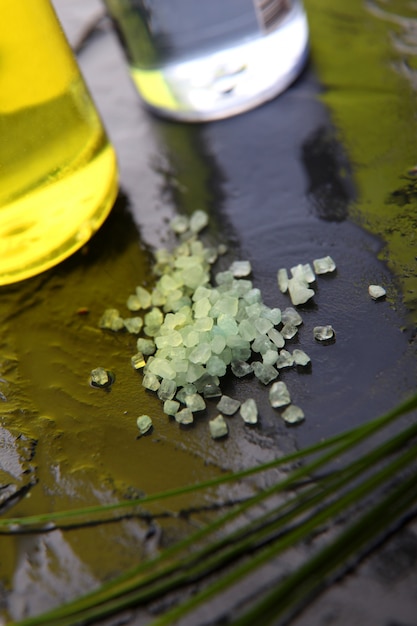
(58, 172)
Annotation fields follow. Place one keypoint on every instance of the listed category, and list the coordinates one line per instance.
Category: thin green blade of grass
(59, 519)
(308, 580)
(292, 537)
(108, 607)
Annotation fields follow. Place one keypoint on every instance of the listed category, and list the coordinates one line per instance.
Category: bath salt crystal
(216, 366)
(133, 303)
(228, 405)
(262, 325)
(133, 325)
(288, 331)
(144, 297)
(324, 265)
(138, 361)
(323, 333)
(241, 368)
(146, 346)
(291, 316)
(262, 344)
(167, 389)
(285, 359)
(198, 220)
(293, 414)
(303, 272)
(100, 377)
(270, 357)
(249, 411)
(218, 427)
(300, 357)
(200, 354)
(279, 395)
(240, 269)
(376, 292)
(151, 382)
(144, 423)
(299, 292)
(211, 391)
(264, 373)
(171, 407)
(184, 416)
(195, 402)
(274, 315)
(276, 337)
(180, 224)
(282, 278)
(111, 320)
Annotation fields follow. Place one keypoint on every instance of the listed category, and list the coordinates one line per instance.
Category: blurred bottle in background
(198, 60)
(58, 172)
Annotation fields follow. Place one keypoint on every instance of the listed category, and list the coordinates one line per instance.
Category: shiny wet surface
(283, 184)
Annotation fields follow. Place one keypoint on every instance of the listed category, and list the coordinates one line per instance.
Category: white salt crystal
(282, 278)
(249, 411)
(279, 395)
(144, 423)
(323, 333)
(240, 268)
(218, 427)
(293, 414)
(299, 291)
(300, 357)
(376, 292)
(228, 405)
(324, 265)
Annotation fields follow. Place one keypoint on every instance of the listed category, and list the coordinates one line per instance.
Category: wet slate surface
(278, 185)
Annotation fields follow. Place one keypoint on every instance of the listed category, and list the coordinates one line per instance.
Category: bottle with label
(58, 171)
(193, 60)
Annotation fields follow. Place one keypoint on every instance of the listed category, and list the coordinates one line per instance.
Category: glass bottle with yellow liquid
(58, 172)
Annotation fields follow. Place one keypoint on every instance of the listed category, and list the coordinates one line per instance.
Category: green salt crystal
(179, 224)
(241, 287)
(254, 310)
(151, 382)
(111, 320)
(226, 305)
(182, 393)
(200, 354)
(100, 377)
(262, 325)
(274, 315)
(241, 354)
(241, 368)
(299, 291)
(288, 331)
(185, 416)
(222, 278)
(303, 272)
(144, 297)
(218, 344)
(154, 318)
(190, 337)
(324, 265)
(253, 296)
(167, 389)
(293, 414)
(323, 333)
(171, 339)
(291, 316)
(211, 255)
(144, 423)
(228, 405)
(197, 249)
(249, 411)
(222, 248)
(202, 308)
(146, 346)
(282, 278)
(198, 220)
(204, 380)
(279, 395)
(162, 368)
(216, 366)
(262, 344)
(194, 276)
(138, 361)
(171, 407)
(194, 372)
(276, 337)
(270, 357)
(195, 402)
(300, 357)
(264, 373)
(240, 268)
(227, 324)
(210, 390)
(158, 298)
(285, 359)
(203, 324)
(201, 292)
(247, 330)
(218, 427)
(133, 303)
(133, 324)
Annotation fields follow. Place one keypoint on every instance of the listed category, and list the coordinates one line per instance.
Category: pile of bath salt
(192, 331)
